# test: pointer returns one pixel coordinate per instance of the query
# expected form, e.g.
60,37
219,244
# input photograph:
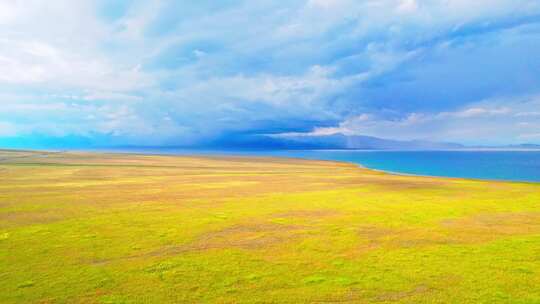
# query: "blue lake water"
491,165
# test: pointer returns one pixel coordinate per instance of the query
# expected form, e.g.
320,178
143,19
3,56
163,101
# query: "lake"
490,165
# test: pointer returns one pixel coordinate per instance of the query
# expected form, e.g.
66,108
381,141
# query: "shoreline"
233,154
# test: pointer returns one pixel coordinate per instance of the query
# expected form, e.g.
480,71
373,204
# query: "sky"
100,73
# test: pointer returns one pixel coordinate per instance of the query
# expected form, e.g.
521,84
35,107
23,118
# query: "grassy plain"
105,228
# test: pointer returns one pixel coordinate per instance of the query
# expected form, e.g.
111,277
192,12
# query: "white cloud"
73,72
407,6
8,11
300,91
108,96
529,136
37,63
326,4
59,45
477,112
489,121
7,129
528,114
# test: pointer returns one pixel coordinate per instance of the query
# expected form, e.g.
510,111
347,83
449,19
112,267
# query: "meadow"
117,228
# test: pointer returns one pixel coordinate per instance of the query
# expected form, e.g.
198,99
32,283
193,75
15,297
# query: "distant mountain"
335,141
340,141
525,146
510,147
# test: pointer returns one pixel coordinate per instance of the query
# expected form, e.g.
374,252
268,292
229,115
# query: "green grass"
105,228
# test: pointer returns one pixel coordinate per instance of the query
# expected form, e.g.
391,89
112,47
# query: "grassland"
105,228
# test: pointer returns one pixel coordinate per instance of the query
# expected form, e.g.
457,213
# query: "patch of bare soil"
374,237
396,183
485,227
251,236
468,230
307,214
393,296
245,236
28,218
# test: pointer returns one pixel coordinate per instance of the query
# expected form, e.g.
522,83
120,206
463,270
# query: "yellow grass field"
113,228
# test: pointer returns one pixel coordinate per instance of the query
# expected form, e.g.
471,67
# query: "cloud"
474,124
528,114
175,73
476,112
7,129
530,136
407,6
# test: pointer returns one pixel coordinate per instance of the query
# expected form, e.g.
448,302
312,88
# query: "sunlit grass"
105,228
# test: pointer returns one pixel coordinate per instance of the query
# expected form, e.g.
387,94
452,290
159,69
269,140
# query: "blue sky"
196,73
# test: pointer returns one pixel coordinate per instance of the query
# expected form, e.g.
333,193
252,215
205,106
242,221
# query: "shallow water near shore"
482,164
